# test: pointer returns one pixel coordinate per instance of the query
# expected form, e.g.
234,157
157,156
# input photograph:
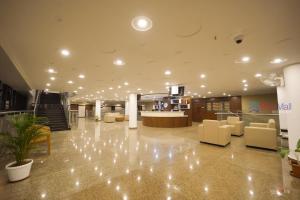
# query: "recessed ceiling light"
81,76
245,85
52,78
46,89
245,89
70,82
202,86
119,62
51,71
139,89
141,23
258,75
80,87
209,92
48,84
119,86
202,76
224,94
229,95
151,91
168,72
195,93
111,88
65,52
245,59
244,81
102,90
98,92
75,91
277,61
167,83
126,83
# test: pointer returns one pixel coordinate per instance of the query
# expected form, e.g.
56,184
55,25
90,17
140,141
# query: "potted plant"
18,143
294,163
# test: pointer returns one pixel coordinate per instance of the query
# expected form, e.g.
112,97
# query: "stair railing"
64,102
37,102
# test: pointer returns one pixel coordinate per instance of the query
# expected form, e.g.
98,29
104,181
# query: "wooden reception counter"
164,119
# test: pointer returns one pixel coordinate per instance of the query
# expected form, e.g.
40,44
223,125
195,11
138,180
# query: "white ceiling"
188,37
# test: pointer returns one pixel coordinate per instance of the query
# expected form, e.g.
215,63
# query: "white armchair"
237,126
269,124
212,131
262,135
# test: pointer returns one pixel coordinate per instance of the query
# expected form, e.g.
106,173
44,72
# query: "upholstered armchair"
44,137
262,135
237,126
214,132
269,124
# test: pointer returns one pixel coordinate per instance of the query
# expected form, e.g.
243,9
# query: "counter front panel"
164,119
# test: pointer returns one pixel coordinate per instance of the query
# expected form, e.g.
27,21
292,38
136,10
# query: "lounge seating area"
261,135
113,117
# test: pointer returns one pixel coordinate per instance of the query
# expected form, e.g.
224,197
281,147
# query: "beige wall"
266,103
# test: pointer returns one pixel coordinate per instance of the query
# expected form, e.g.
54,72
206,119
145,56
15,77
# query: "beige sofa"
262,135
110,117
237,126
214,132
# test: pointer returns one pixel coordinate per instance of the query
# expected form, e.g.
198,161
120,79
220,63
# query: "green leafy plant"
283,152
298,146
19,142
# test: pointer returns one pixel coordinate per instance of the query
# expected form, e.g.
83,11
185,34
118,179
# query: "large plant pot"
18,173
295,170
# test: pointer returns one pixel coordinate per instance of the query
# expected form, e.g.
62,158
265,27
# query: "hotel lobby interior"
149,100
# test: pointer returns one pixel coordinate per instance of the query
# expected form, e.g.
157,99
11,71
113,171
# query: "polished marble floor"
109,161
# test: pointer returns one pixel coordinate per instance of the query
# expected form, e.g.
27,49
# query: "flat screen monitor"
174,90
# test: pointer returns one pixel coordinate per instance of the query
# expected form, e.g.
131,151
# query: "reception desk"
164,119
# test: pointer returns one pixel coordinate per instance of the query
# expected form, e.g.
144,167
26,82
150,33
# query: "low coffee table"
120,118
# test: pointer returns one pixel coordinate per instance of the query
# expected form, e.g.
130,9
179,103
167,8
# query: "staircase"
50,107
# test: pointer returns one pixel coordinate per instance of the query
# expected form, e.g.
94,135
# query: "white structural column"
132,111
283,107
126,108
98,110
292,104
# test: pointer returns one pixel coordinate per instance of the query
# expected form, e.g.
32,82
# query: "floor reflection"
110,161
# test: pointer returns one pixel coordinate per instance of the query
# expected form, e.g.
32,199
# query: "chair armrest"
225,134
262,125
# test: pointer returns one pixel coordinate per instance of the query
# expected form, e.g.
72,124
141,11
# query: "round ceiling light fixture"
65,52
119,62
168,72
141,23
277,61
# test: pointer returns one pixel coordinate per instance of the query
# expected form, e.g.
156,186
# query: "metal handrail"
15,112
231,113
37,101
